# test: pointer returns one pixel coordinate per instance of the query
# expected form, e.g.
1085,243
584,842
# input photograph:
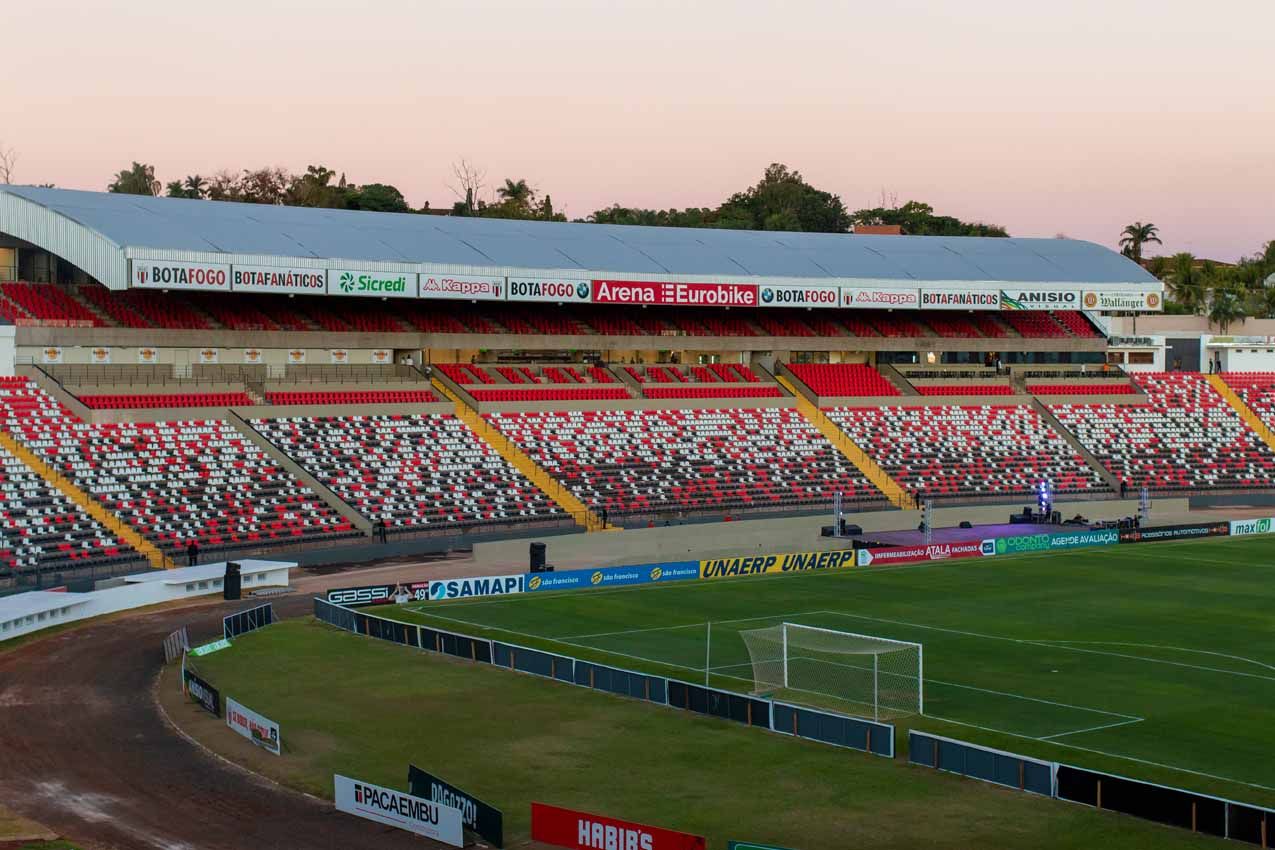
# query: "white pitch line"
1091,729
1158,646
700,624
1129,718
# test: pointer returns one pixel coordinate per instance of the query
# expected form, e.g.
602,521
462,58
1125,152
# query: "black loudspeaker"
232,584
850,529
966,524
827,531
537,557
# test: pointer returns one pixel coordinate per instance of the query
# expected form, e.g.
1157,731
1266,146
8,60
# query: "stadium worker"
192,553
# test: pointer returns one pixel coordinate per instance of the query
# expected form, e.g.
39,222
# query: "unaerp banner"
395,808
583,831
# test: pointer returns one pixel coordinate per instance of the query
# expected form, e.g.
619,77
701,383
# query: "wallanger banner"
759,564
583,831
395,808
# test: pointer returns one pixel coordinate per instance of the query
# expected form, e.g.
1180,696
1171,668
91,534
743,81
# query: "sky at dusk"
1073,118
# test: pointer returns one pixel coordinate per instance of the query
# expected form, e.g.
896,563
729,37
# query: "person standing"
192,553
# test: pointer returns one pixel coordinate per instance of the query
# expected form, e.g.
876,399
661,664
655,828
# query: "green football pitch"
1153,661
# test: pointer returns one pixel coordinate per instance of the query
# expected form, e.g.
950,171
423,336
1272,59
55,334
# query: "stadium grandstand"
253,379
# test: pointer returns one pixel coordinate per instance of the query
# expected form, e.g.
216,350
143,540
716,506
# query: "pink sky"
1074,118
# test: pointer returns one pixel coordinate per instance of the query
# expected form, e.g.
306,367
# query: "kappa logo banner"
467,287
679,294
1245,527
548,289
933,552
862,296
372,594
612,576
162,274
583,831
461,588
761,564
478,817
259,729
395,808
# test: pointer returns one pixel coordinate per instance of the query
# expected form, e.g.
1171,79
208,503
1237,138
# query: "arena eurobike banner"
396,808
583,831
675,293
752,565
612,576
258,728
882,556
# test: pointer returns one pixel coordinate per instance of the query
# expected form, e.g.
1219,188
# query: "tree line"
782,200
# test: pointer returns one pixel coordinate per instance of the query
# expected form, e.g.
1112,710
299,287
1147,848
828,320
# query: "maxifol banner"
752,565
612,576
478,817
885,555
395,808
1245,527
208,697
463,588
583,831
1056,540
1160,533
258,728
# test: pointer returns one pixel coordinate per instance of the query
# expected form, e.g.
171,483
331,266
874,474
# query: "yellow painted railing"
88,504
871,470
1246,413
520,461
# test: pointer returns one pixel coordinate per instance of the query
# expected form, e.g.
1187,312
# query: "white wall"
8,350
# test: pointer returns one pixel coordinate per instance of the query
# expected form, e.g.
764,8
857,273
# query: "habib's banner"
760,564
279,279
396,808
677,294
165,274
885,555
466,287
813,295
556,290
960,299
583,831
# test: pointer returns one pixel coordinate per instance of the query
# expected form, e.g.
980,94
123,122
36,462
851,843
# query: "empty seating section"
1082,389
465,373
352,397
1257,390
1035,325
971,450
1186,437
551,394
988,325
102,298
843,379
1076,322
40,529
952,325
667,461
964,389
49,304
160,400
418,473
713,391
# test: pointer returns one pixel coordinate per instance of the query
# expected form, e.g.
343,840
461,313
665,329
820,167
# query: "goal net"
882,678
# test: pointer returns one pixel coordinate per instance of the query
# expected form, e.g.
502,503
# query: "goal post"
880,677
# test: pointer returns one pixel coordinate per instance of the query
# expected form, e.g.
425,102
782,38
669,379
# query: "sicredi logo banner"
204,277
871,298
461,588
583,831
799,296
395,808
1244,527
679,294
1040,299
362,283
466,287
714,568
547,289
960,299
278,279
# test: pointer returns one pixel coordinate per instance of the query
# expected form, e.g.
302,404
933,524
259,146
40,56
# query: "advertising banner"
210,648
338,356
1245,527
1056,540
370,594
209,355
100,354
208,697
549,289
296,355
612,576
881,297
165,274
461,588
813,295
960,299
376,284
678,294
1151,301
932,552
478,817
51,354
1159,533
750,845
259,729
467,287
252,355
293,281
395,808
583,831
147,355
759,564
1040,299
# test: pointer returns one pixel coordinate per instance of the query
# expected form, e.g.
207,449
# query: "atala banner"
163,274
461,588
929,552
761,564
478,817
371,284
584,831
613,576
395,808
548,289
1159,533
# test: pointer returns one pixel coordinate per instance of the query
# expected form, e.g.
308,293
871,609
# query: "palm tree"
195,186
1186,282
1227,307
516,193
1133,237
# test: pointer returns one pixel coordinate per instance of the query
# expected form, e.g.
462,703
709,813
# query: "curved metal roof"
85,227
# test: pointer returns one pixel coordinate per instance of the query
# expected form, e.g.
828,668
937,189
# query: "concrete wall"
8,349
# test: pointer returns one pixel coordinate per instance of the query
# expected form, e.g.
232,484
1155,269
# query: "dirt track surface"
85,751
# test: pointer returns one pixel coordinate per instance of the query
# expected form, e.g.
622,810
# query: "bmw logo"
767,295
438,591
582,289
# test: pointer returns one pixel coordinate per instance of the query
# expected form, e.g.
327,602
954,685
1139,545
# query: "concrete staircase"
871,470
90,506
1251,419
1072,440
895,377
520,461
